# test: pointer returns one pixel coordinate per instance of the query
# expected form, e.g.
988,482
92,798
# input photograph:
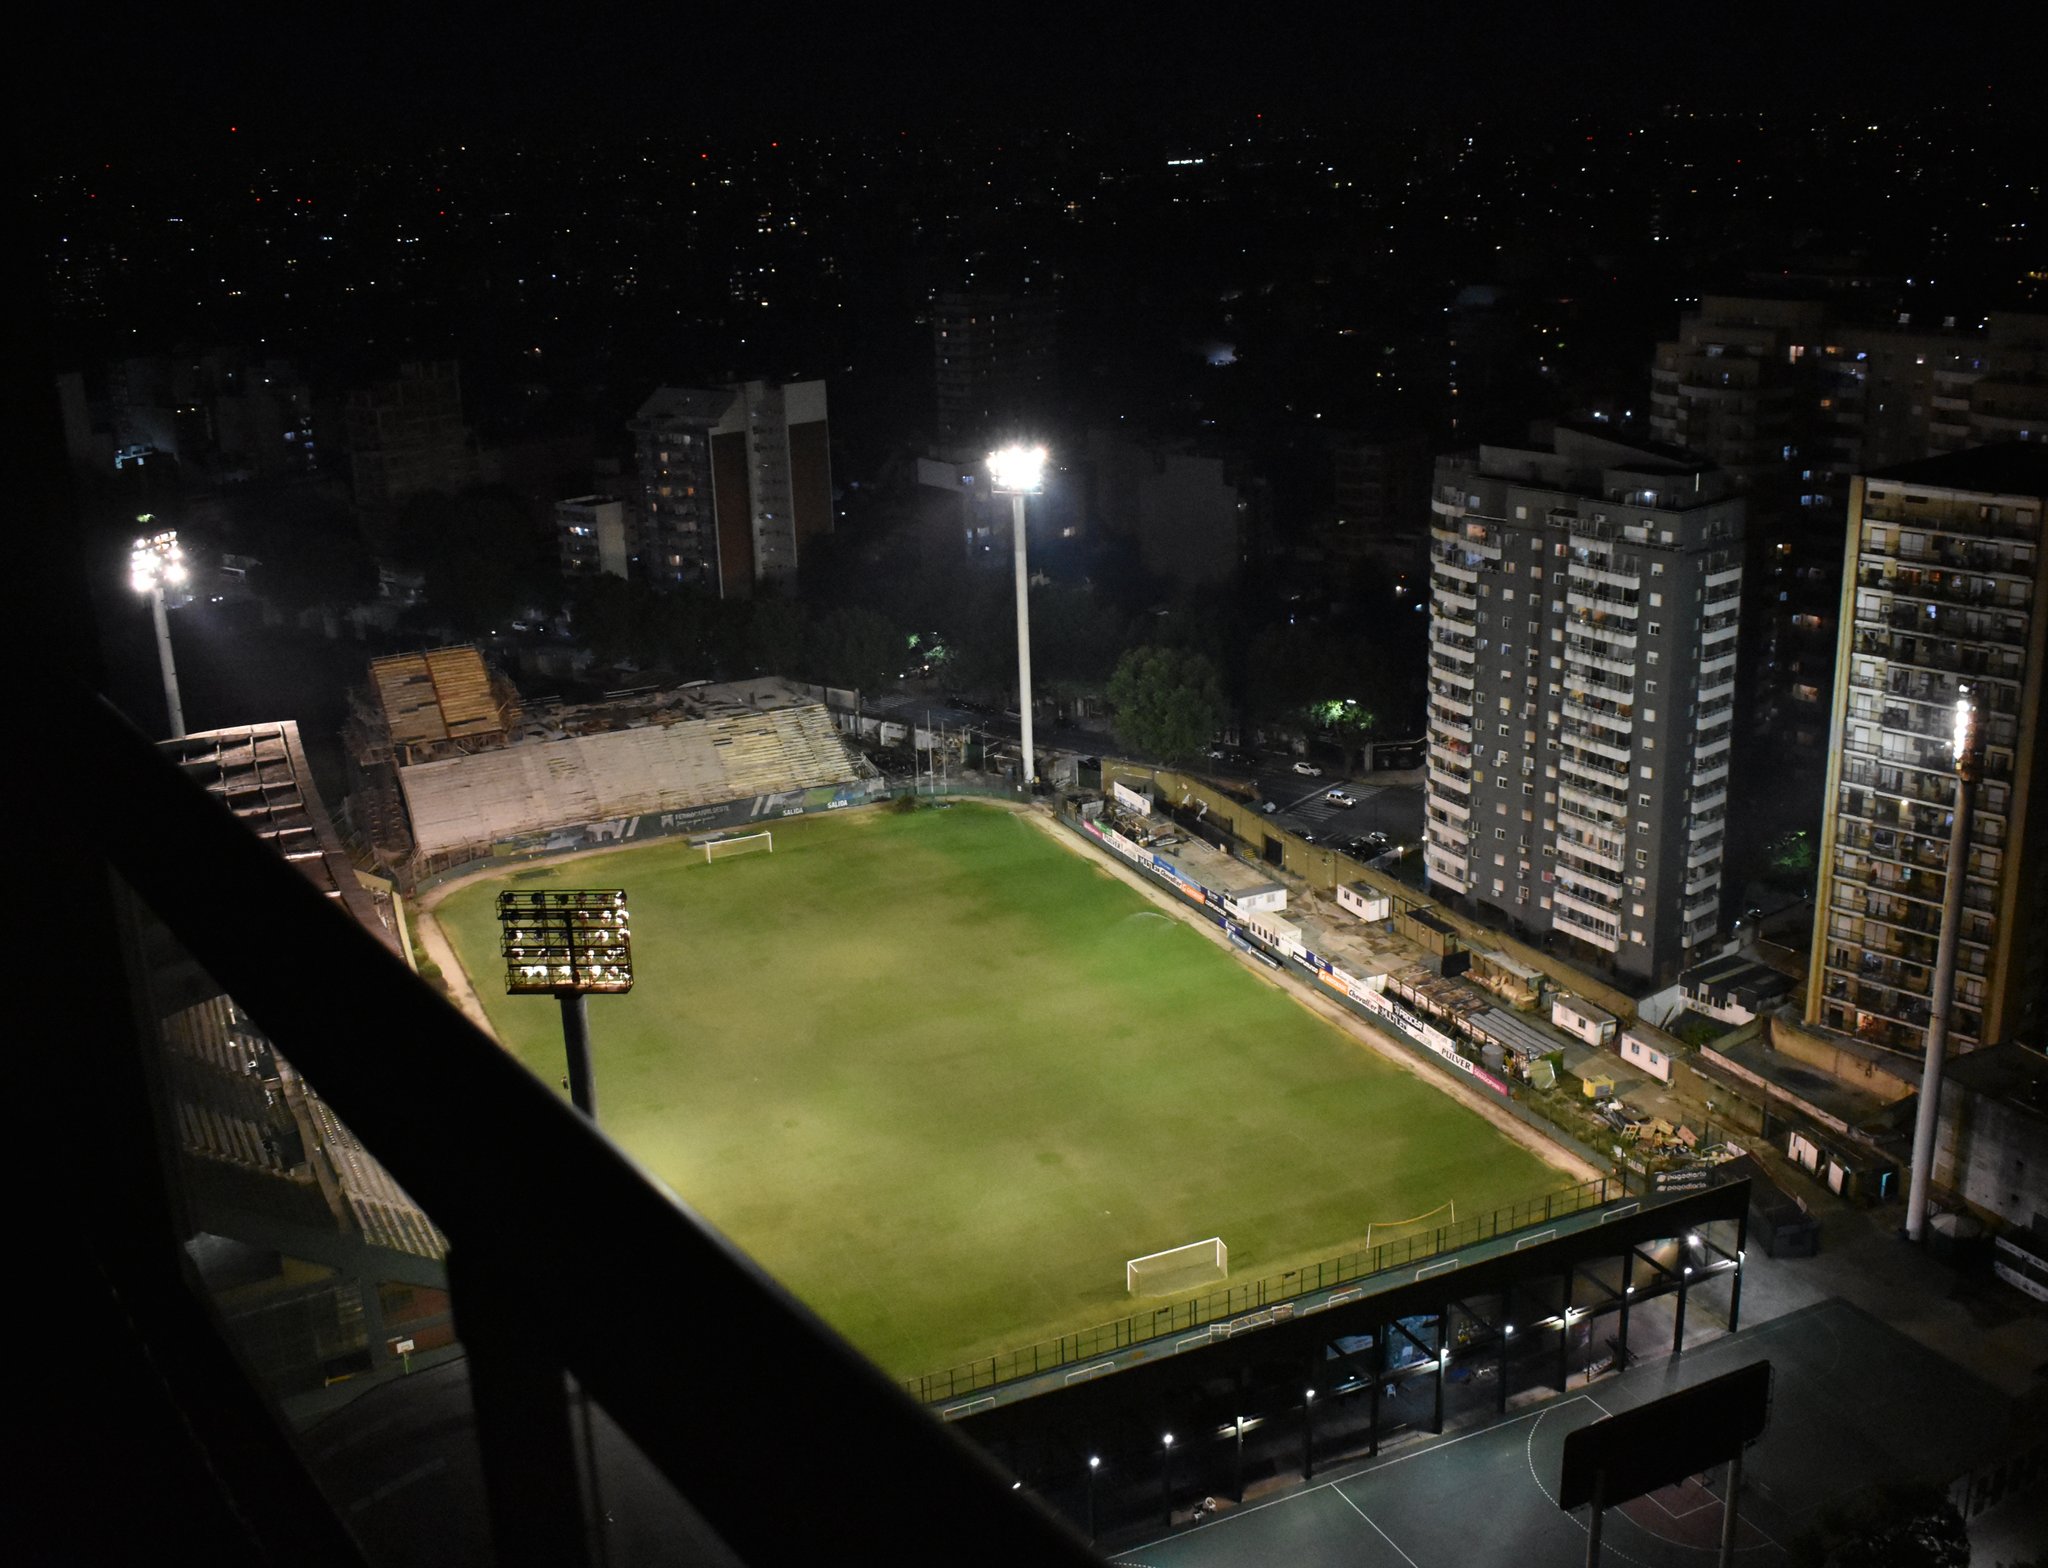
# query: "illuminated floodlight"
157,561
1018,470
1965,724
567,943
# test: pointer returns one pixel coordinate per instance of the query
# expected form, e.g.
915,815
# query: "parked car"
1268,807
1377,840
1343,798
1308,770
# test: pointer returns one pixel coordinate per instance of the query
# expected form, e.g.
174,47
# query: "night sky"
295,75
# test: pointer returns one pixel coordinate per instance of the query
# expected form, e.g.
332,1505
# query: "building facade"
591,533
1585,604
407,436
995,360
732,482
1942,577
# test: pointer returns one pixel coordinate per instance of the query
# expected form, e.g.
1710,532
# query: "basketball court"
1854,1402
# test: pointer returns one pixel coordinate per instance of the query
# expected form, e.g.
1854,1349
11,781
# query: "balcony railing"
564,1260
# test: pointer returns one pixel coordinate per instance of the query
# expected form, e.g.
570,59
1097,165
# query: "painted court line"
1380,1533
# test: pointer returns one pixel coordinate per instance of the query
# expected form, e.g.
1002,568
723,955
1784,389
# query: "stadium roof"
432,698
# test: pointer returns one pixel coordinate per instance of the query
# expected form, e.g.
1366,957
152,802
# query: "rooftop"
2010,468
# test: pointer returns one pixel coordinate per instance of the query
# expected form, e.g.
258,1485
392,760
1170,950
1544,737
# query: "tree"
857,648
307,545
1168,702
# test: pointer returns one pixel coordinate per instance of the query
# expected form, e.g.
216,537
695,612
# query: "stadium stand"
440,702
386,1216
671,765
241,1111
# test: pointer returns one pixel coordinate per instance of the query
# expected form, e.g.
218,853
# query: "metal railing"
564,1260
1218,1306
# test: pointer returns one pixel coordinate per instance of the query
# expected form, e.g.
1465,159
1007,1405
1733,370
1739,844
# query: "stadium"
1071,1144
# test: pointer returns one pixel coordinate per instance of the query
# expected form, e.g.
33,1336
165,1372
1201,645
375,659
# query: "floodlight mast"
1018,471
155,560
567,944
1967,744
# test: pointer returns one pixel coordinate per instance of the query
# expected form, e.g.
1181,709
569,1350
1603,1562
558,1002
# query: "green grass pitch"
942,1077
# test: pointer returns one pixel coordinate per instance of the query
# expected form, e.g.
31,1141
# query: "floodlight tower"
156,560
1018,471
1967,743
567,944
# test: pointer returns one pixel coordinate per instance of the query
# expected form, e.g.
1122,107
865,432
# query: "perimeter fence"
1276,1292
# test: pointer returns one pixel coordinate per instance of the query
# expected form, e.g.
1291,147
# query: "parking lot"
1303,805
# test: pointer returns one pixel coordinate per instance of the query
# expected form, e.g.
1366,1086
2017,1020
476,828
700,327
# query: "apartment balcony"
1705,880
1463,653
1451,569
1615,718
1458,840
1597,740
1705,778
1455,762
1446,869
1727,577
1585,923
1596,571
1457,807
1587,678
1619,634
1714,638
1447,672
1451,708
1602,807
1708,750
1718,665
1717,691
1595,774
1597,883
1450,601
1607,854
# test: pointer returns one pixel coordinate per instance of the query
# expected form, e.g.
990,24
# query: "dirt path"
1328,1008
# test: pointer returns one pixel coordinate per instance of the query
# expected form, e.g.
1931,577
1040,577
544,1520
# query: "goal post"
738,844
1178,1268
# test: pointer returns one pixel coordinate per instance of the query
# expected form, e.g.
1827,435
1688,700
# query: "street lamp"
566,945
155,561
1967,744
1094,1464
1018,471
1166,1489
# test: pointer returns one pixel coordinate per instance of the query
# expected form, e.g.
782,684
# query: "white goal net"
726,848
1178,1268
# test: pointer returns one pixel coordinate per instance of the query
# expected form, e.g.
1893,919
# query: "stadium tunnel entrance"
1413,1351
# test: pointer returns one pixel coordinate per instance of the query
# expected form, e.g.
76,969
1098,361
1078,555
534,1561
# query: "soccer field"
942,1076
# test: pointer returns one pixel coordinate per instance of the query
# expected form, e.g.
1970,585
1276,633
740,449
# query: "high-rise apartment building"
1584,612
994,362
1942,578
406,436
733,482
590,531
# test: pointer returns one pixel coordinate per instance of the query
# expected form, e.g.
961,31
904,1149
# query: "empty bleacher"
566,782
386,1216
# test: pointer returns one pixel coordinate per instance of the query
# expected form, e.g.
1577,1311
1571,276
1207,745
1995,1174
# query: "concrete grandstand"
315,1256
481,778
